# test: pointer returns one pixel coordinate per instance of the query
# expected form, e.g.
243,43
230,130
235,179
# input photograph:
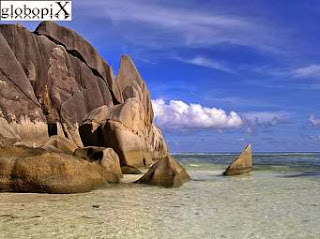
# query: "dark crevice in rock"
61,122
94,155
90,138
98,138
52,129
114,99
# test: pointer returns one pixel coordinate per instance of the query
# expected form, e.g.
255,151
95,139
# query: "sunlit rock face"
80,48
242,164
60,85
127,127
53,82
21,115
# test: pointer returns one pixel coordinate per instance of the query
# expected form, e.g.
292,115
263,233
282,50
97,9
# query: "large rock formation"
21,115
128,127
60,83
82,49
166,172
37,170
242,164
53,82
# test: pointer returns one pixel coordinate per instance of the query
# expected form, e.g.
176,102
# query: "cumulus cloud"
310,71
314,121
178,114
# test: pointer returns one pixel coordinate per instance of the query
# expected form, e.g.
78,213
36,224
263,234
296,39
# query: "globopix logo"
48,10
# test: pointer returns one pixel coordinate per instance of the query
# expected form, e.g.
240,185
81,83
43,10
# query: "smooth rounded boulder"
35,170
166,172
242,164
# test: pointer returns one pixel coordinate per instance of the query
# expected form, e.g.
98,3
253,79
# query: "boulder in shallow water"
104,156
166,172
39,171
242,164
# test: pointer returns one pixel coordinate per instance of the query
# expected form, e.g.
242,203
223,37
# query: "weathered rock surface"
242,164
36,170
62,86
104,156
166,172
130,170
82,49
21,116
59,94
128,127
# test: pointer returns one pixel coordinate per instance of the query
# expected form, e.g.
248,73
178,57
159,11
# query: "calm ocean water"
304,162
279,199
259,159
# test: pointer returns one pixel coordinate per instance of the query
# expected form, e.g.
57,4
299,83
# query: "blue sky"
221,73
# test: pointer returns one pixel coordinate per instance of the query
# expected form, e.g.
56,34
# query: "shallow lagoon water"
280,198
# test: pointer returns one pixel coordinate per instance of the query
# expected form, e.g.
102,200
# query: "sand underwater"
280,198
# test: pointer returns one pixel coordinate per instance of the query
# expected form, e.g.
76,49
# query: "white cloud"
205,62
310,71
314,121
178,114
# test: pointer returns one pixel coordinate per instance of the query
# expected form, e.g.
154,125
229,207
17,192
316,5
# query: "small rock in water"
96,206
242,164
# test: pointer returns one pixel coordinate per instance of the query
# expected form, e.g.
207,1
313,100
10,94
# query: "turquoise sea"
307,164
280,199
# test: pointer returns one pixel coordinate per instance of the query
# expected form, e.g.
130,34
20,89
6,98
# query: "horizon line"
256,152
